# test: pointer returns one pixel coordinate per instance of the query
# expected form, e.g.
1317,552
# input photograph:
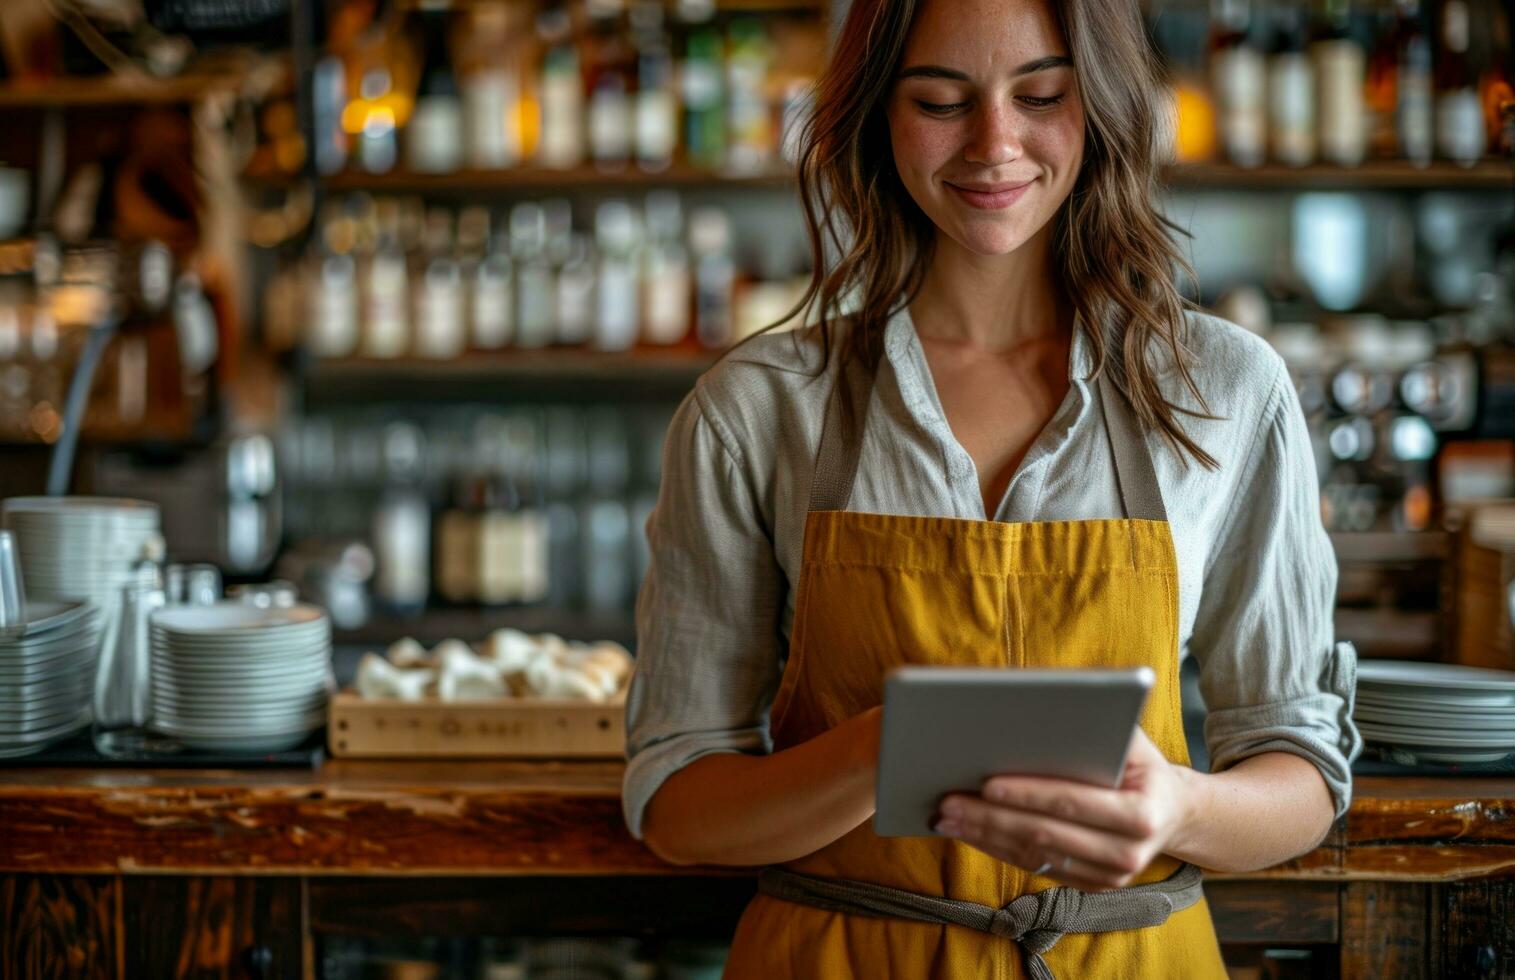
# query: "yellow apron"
878,591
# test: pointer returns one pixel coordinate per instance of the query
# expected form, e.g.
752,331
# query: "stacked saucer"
236,678
47,672
81,548
1425,712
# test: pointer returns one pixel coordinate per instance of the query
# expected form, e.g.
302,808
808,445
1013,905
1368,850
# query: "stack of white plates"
47,672
1437,712
81,548
237,678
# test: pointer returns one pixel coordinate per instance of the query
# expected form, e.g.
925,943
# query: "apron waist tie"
1034,921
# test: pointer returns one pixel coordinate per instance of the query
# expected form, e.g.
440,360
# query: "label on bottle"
610,124
488,97
439,312
1460,135
1341,72
1291,108
667,286
388,327
434,135
1240,79
575,304
657,127
493,305
333,304
1413,119
562,120
535,305
616,322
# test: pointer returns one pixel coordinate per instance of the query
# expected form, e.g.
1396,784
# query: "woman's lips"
994,199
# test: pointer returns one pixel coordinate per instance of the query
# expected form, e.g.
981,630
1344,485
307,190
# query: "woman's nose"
995,137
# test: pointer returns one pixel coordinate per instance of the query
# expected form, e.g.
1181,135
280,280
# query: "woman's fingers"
1093,806
1030,840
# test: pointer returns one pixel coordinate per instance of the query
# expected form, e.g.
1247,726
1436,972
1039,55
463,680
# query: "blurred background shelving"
454,264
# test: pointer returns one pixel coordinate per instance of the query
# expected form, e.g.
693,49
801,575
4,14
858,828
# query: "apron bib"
879,591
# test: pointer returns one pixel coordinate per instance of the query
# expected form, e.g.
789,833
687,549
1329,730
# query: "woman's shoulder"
1239,375
770,384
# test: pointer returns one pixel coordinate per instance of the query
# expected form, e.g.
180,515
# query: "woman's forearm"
1260,812
735,809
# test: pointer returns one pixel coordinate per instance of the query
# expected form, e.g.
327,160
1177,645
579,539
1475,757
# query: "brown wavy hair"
1117,255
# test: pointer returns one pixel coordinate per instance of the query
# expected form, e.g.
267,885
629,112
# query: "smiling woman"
1006,443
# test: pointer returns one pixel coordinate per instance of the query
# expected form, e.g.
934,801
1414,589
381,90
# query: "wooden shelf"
114,90
1373,175
1386,175
1391,547
482,374
516,179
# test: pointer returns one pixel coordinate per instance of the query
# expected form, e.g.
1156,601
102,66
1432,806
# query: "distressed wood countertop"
564,818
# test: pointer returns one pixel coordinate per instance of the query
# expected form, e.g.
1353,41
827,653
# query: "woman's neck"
991,302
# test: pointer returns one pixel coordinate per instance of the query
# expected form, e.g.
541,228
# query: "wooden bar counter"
136,873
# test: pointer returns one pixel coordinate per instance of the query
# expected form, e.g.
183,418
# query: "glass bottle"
666,282
1239,78
714,276
1414,94
1341,76
560,91
610,82
536,285
1291,91
434,134
750,129
576,291
386,289
440,325
617,305
704,100
492,294
1460,132
656,122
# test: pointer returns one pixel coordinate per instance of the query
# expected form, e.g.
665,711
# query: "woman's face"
985,120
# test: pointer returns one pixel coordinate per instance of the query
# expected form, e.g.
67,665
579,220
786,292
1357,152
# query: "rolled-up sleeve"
1272,675
707,613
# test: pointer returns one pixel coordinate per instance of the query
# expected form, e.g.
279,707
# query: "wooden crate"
503,728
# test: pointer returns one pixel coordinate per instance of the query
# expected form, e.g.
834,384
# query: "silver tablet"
948,729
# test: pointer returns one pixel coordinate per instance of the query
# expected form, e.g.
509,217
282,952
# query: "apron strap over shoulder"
1034,921
1140,492
841,436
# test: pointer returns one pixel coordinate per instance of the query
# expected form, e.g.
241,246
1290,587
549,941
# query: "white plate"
1417,675
278,649
77,505
222,674
1402,698
43,617
1400,736
302,701
253,746
1434,718
230,729
241,724
233,617
1413,754
12,747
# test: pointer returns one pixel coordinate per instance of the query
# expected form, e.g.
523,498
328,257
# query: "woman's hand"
1093,838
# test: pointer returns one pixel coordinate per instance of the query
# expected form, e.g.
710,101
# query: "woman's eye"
1036,102
940,108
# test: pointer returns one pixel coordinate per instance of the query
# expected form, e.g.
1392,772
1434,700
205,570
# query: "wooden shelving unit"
532,179
115,90
489,375
1490,174
1385,175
